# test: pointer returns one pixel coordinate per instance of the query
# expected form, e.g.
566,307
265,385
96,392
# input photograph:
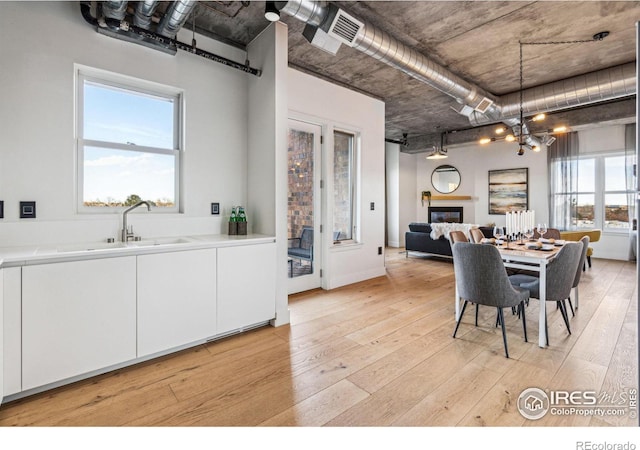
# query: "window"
129,143
616,213
599,196
344,186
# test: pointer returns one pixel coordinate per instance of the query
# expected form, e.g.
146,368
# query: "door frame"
314,280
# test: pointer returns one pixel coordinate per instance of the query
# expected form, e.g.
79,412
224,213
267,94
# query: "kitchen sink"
101,246
97,246
159,241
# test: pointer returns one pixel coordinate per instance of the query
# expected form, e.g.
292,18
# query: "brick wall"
300,181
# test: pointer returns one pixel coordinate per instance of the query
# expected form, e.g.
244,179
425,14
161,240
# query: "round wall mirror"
445,179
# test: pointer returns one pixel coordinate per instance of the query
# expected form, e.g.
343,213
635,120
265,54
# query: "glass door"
304,252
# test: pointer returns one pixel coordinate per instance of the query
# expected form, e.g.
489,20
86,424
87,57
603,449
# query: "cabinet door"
176,299
246,286
77,317
12,347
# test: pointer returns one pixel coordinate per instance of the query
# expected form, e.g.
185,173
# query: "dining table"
517,255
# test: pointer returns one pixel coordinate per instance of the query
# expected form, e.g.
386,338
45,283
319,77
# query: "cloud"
118,160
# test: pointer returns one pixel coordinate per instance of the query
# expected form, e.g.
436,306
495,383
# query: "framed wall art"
508,190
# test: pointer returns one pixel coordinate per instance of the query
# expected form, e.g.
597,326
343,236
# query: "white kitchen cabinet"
77,317
246,286
176,299
1,336
12,330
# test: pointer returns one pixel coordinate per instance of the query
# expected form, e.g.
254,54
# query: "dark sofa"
418,239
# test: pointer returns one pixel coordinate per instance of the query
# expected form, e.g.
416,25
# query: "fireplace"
442,214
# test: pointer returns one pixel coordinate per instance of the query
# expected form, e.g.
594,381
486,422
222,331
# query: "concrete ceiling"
477,40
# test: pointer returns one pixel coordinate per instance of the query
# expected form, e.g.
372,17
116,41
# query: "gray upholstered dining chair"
481,279
560,275
576,280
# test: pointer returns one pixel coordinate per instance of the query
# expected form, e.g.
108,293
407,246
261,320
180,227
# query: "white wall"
267,153
392,169
41,42
474,162
408,190
333,106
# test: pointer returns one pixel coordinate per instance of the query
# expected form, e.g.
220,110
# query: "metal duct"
309,12
114,9
144,13
137,35
606,84
480,106
175,17
381,46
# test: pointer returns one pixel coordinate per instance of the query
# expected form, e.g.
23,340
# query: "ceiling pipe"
582,90
175,17
144,13
114,9
312,13
138,35
480,106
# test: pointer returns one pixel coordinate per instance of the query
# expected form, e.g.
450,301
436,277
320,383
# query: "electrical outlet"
27,210
215,208
372,206
379,250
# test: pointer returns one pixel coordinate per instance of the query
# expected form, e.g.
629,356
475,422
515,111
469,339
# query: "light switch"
1,209
27,210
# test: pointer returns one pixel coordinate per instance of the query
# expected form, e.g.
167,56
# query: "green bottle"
234,217
241,215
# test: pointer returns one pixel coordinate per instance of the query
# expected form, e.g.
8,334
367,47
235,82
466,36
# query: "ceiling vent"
319,38
345,28
484,104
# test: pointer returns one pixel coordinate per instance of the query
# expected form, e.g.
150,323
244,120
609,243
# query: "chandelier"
521,133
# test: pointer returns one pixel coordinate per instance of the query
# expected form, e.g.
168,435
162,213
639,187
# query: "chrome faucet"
126,234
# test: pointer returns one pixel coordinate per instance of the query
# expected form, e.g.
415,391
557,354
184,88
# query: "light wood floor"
375,353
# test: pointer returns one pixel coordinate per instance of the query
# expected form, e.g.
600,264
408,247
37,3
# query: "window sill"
346,247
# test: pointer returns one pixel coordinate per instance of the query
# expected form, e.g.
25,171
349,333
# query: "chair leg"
565,316
464,306
477,306
546,327
504,331
573,313
524,320
589,261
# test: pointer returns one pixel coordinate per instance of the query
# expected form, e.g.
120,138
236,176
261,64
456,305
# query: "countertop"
51,253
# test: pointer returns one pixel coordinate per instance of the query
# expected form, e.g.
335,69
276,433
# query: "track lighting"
439,152
271,13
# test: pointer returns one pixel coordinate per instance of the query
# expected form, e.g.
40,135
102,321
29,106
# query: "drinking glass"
528,233
542,229
498,233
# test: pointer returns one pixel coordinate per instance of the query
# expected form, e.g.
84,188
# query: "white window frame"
355,184
602,193
86,74
599,194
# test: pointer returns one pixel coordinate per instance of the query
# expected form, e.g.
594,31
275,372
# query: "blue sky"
115,115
